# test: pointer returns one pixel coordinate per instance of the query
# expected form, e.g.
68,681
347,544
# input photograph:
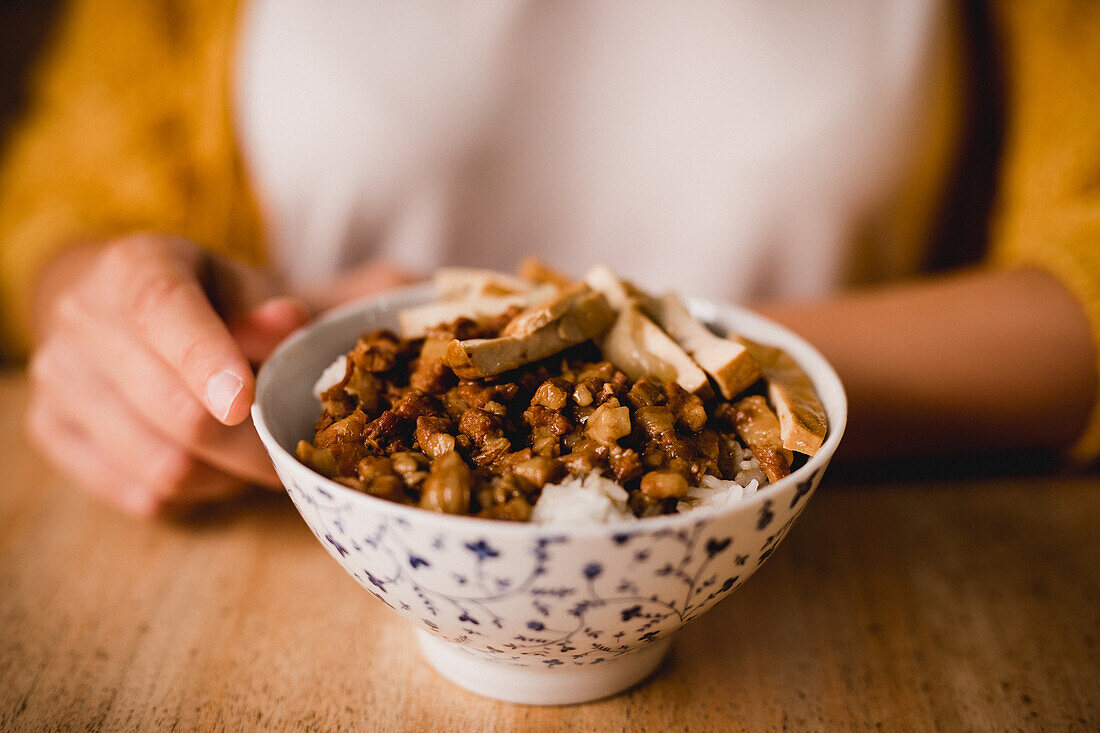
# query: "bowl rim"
820,371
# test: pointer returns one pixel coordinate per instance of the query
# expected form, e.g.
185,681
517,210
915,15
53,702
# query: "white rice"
716,492
594,499
713,491
332,375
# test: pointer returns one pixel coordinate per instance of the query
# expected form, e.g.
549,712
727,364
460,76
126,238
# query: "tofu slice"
759,427
638,346
802,419
727,362
537,272
604,279
455,283
415,322
585,314
541,314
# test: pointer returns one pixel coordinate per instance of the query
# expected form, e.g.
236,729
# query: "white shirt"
724,149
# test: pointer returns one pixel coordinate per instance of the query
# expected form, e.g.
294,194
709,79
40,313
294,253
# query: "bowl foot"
532,686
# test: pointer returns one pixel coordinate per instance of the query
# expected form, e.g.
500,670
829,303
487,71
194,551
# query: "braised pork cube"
448,486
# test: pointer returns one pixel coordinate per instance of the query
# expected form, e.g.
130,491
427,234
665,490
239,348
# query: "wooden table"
961,604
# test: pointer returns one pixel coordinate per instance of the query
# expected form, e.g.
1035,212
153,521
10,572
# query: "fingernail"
221,392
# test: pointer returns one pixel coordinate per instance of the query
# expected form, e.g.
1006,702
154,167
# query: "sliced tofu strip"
453,283
587,316
618,292
540,314
640,348
727,362
802,417
415,322
536,271
759,428
636,344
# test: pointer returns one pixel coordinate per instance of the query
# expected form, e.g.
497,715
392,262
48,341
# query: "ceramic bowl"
523,612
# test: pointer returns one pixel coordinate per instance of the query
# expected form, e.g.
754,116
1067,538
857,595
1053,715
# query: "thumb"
261,329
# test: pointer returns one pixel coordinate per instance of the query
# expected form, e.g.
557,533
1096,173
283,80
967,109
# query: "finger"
158,290
135,387
91,405
144,461
72,453
262,329
144,487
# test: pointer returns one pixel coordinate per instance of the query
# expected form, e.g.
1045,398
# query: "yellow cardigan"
131,129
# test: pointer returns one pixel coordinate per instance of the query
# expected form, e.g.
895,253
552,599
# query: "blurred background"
25,27
958,235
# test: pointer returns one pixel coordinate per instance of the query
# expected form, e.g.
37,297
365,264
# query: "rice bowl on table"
579,595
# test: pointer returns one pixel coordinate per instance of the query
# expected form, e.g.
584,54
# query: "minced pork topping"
475,416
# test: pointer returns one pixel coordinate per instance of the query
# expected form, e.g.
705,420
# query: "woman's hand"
141,389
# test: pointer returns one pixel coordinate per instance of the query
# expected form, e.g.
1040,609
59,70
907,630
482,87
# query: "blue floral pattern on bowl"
548,598
509,609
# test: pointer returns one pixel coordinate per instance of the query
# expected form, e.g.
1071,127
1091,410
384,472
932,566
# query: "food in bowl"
538,398
522,611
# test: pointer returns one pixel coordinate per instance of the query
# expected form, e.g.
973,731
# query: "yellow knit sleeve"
129,128
1049,204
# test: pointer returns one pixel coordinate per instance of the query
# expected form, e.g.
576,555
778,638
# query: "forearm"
980,360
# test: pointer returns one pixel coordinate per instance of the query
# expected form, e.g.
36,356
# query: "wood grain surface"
951,605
